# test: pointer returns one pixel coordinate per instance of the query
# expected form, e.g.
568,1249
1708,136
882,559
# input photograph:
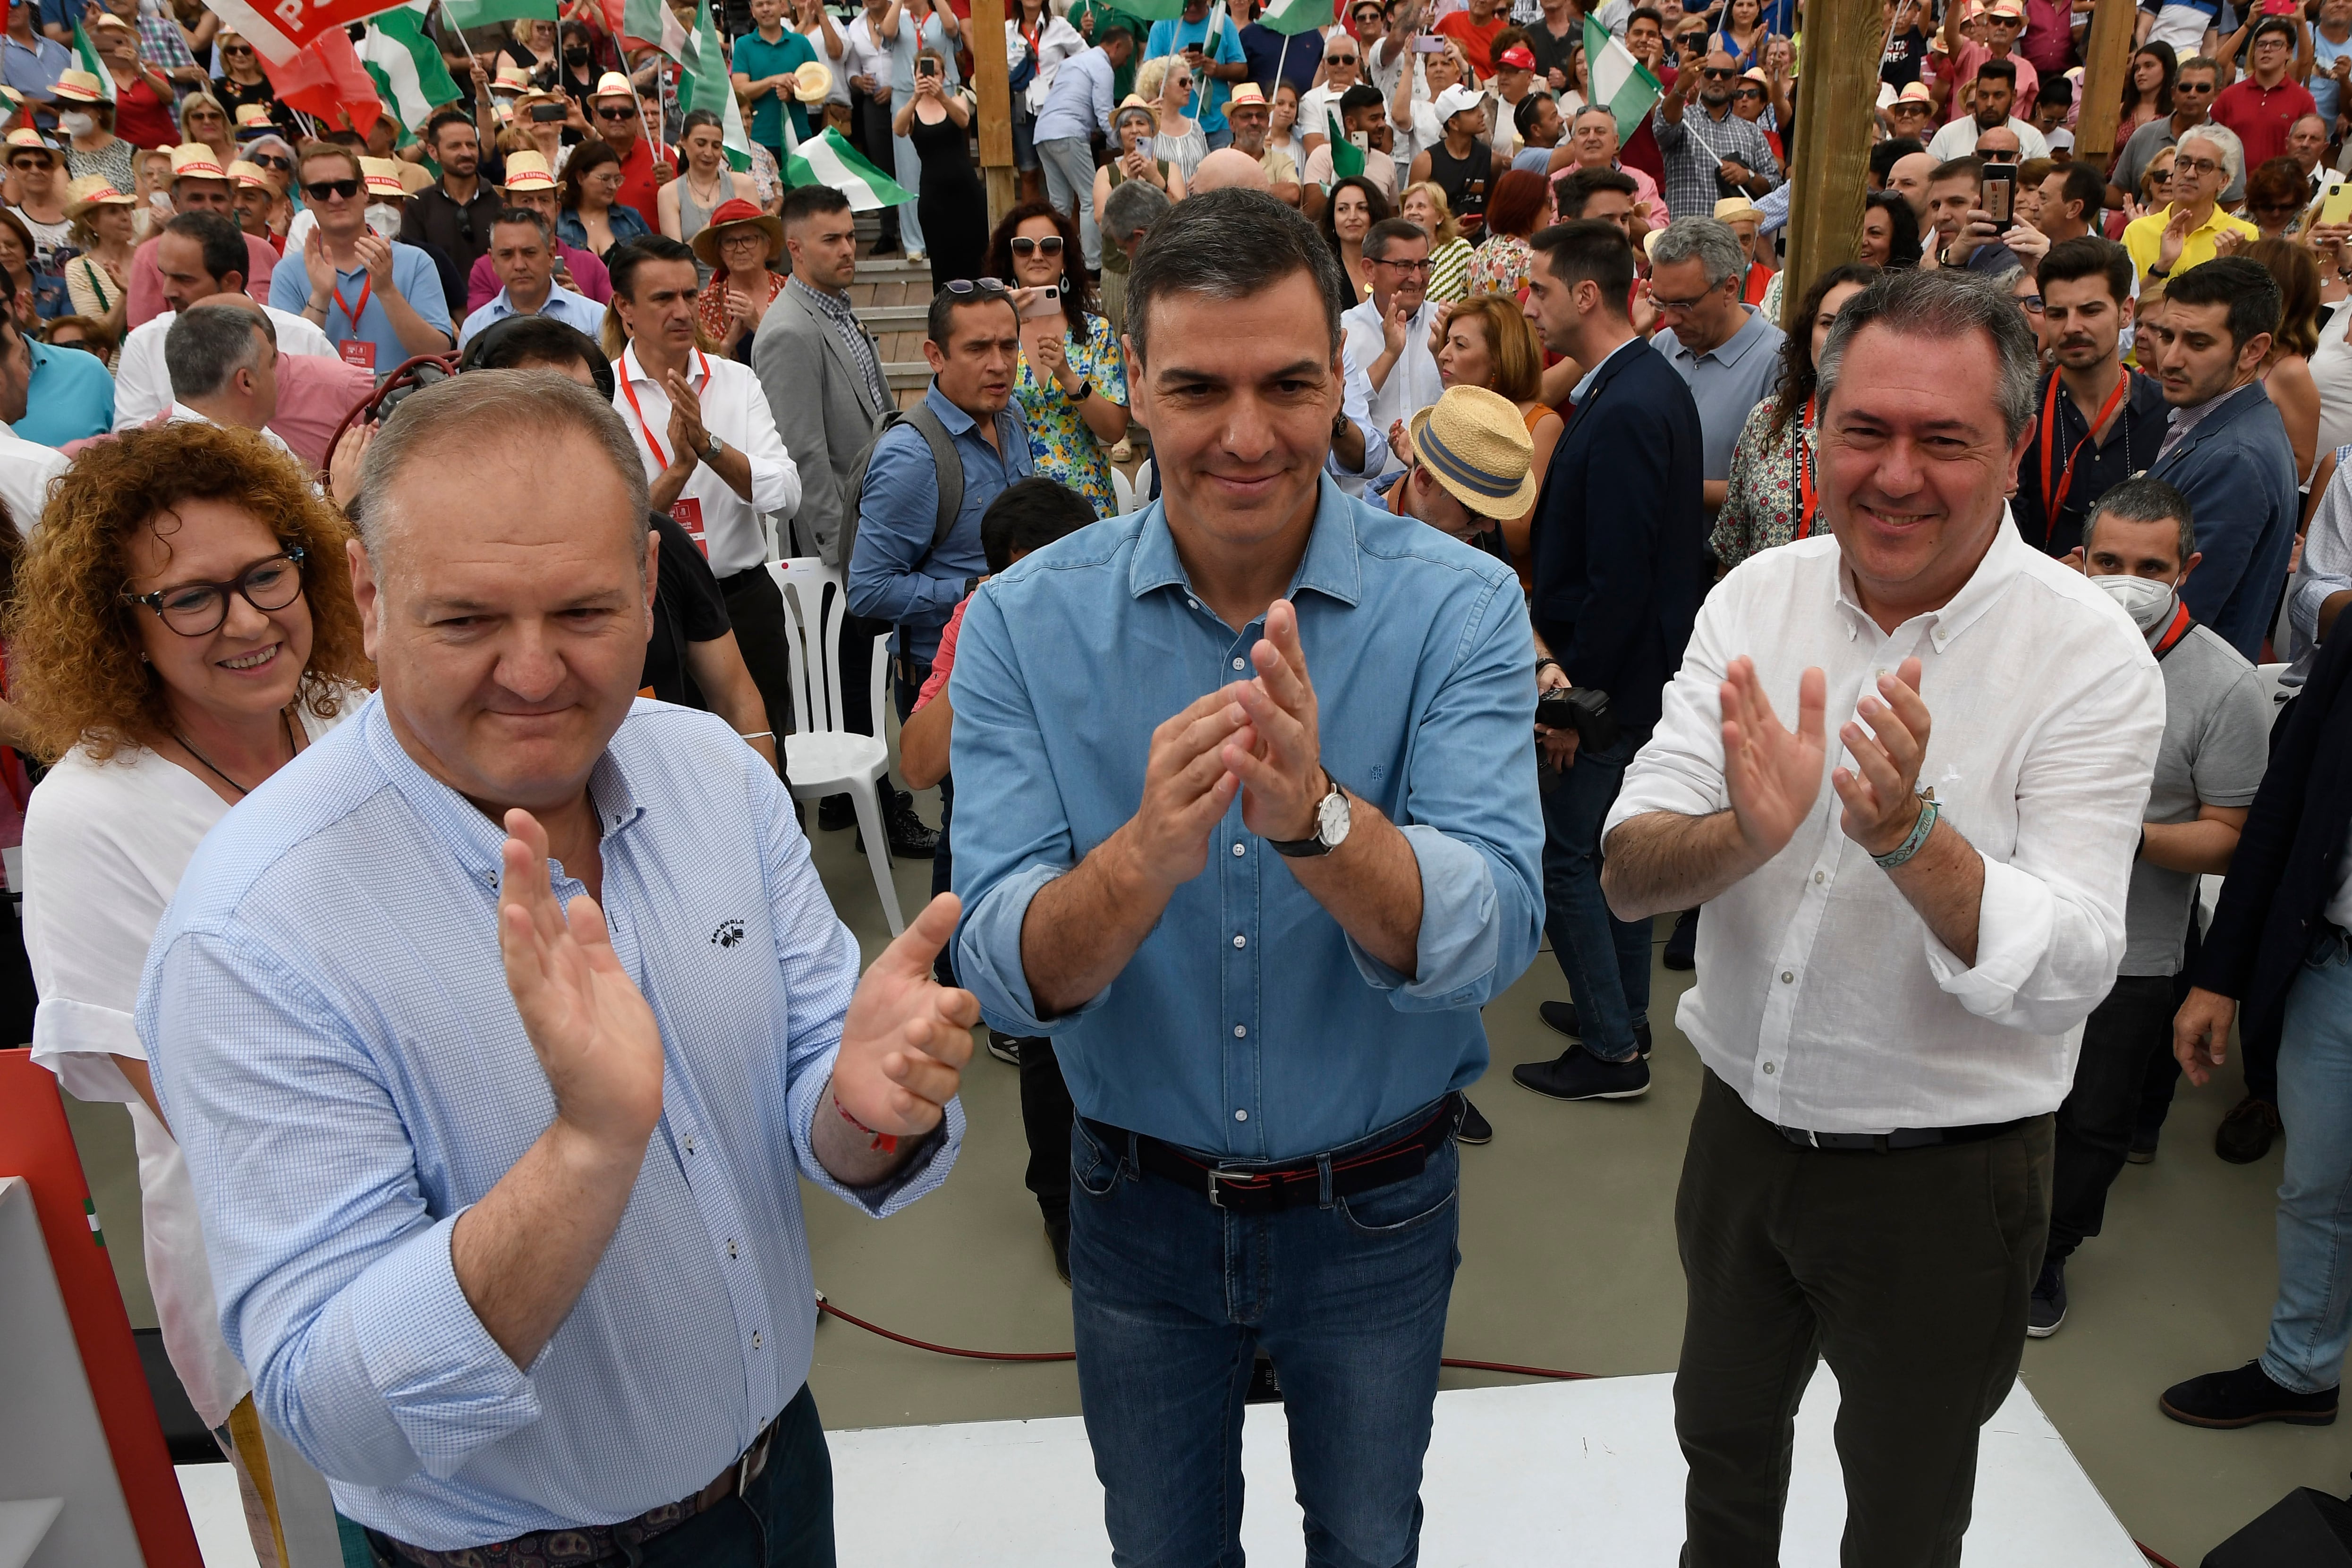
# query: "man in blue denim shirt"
1261,977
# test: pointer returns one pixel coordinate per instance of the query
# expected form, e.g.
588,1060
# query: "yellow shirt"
2144,236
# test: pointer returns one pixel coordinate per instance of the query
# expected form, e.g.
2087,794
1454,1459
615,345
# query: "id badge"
358,351
686,513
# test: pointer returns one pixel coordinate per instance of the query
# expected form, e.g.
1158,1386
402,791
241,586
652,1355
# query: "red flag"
278,28
327,82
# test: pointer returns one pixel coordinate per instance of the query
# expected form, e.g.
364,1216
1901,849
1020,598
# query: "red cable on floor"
829,1309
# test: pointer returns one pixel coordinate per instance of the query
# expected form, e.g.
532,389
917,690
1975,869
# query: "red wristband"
883,1143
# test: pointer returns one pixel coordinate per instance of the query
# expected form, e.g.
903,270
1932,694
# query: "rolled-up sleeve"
775,478
2050,922
2326,566
335,1284
1471,818
1356,403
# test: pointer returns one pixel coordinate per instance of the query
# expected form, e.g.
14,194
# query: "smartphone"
2338,207
546,114
1426,45
1043,302
2282,7
2000,194
926,68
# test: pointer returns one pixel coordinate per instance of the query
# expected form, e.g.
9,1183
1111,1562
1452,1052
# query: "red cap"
1517,58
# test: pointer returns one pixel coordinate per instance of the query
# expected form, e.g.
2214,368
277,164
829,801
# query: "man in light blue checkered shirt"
514,1252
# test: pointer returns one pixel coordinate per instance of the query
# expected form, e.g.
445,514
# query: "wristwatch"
1330,826
710,453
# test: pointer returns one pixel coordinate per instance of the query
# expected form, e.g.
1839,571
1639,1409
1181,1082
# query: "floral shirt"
1061,447
710,309
1502,266
1765,493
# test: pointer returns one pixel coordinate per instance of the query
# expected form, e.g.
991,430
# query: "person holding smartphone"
1215,60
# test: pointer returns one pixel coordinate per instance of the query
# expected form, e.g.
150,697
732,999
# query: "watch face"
1331,819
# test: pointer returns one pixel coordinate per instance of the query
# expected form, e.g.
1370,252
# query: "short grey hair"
2223,140
208,344
450,416
1132,208
1712,242
2146,501
1946,306
1229,245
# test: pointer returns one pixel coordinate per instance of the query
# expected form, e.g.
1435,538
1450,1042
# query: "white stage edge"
1582,1472
1567,1472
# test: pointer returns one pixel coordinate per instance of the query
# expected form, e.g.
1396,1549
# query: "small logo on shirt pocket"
729,931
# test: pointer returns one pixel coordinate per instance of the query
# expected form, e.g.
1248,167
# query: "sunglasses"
321,190
961,285
616,114
270,160
1754,92
237,48
1024,246
1718,73
1339,60
1995,157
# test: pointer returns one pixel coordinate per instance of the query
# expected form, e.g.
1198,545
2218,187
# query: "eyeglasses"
1339,60
1682,307
195,115
2031,304
197,609
1755,92
237,48
982,286
2191,86
270,160
1997,155
1024,246
321,190
616,114
1422,266
2196,166
1718,73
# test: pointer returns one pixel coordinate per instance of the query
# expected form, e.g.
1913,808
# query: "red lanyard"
2053,499
661,458
1805,473
2175,631
353,313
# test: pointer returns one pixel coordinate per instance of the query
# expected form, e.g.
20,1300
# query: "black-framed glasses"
984,286
1422,266
2032,304
2195,166
321,190
1023,244
197,609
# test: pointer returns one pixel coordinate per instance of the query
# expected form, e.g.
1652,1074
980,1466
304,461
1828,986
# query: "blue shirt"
34,71
412,273
627,223
1269,52
1727,382
1248,1024
1081,101
70,396
571,309
331,1036
894,573
1174,37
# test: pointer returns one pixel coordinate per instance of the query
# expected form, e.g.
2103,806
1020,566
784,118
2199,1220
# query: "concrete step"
907,373
892,269
894,318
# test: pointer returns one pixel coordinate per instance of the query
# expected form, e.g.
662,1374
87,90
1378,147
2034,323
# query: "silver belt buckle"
1215,1176
754,1461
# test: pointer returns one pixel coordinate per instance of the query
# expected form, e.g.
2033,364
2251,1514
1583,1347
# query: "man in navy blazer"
2226,449
1620,540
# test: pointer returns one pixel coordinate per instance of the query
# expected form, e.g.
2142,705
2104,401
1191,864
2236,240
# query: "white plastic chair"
1123,488
1143,484
826,758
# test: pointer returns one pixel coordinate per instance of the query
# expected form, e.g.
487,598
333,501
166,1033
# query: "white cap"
1453,101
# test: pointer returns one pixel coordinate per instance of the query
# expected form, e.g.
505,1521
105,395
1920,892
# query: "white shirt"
1317,109
1055,43
25,469
1412,381
143,384
105,844
837,63
736,411
868,56
181,414
1959,139
2048,710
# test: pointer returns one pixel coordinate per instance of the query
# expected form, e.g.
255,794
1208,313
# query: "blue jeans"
1605,960
1171,1299
1069,163
2312,1319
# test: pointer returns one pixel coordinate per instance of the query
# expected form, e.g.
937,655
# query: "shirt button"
1788,976
1194,603
1241,1116
730,1247
756,1341
1819,878
689,1144
1241,1031
1240,941
1768,1069
1239,664
1238,852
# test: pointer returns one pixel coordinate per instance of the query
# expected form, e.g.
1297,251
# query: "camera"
1584,709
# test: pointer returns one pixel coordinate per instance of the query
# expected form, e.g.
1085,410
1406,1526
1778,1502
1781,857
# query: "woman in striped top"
1449,253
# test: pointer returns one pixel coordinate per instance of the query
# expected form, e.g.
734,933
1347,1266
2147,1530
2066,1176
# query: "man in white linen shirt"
1894,969
1386,339
709,441
198,256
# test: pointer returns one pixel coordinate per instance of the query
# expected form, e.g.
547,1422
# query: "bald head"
1228,166
1910,175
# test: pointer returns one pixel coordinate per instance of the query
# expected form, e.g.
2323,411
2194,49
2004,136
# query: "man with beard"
455,216
1713,154
2097,423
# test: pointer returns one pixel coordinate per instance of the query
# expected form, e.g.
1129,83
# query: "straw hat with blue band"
1475,443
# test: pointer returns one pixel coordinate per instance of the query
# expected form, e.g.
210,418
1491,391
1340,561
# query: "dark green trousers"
1907,1272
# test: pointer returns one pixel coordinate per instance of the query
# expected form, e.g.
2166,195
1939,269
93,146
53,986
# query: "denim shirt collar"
1330,566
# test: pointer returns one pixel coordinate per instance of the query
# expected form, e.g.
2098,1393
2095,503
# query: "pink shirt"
147,300
942,661
1962,70
589,278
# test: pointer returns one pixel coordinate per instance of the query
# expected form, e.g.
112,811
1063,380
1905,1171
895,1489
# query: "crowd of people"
1637,577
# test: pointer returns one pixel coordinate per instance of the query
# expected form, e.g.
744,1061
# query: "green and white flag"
827,159
1621,83
1347,158
704,83
657,24
407,66
1292,17
87,59
489,13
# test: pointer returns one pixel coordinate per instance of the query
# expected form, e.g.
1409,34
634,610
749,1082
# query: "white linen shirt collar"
735,410
1824,999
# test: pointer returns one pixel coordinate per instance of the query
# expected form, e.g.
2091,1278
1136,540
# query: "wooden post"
985,33
2107,55
1836,99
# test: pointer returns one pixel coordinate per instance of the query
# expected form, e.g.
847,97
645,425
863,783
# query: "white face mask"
2148,601
76,123
384,218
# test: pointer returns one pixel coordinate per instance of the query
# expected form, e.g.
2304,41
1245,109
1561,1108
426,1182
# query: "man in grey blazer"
823,375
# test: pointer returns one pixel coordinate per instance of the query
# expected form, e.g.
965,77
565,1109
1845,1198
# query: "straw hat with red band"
736,213
252,120
94,191
383,178
510,77
527,171
195,161
250,176
25,139
612,84
79,87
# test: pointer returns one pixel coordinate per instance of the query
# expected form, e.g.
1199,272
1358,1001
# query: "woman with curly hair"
183,628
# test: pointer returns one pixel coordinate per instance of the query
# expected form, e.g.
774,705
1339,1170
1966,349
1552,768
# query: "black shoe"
1578,1074
1004,1047
1057,1237
910,837
2046,1308
2245,1398
2142,1150
1473,1128
1682,943
1561,1016
2245,1134
836,812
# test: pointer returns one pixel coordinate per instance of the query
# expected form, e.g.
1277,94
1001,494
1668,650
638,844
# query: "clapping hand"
2176,236
1881,790
685,413
375,255
1278,754
1772,776
317,263
906,1038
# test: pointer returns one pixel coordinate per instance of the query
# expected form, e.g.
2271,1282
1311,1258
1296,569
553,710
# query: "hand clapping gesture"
906,1038
1772,775
1277,755
1881,790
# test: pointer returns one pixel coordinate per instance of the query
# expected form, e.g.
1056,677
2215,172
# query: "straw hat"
612,84
10,95
79,87
25,139
811,82
1133,104
511,76
94,191
250,175
1918,93
195,161
735,212
1738,210
1247,94
1475,442
527,171
252,120
382,177
108,19
1755,74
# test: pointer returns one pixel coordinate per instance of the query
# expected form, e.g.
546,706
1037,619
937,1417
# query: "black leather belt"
1901,1138
1243,1189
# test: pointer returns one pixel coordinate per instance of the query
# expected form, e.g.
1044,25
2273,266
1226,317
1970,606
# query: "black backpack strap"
946,463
